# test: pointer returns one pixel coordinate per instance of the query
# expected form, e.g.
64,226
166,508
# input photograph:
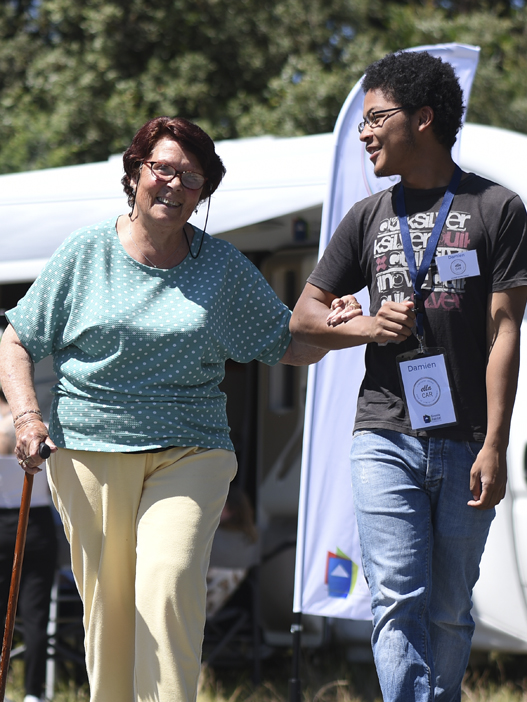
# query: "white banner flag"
328,578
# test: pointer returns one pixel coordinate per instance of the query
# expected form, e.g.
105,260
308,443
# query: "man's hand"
393,322
488,479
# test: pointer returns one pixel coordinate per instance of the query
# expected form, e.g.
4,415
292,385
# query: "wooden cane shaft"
15,581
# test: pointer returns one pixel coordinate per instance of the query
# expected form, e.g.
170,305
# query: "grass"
326,677
66,691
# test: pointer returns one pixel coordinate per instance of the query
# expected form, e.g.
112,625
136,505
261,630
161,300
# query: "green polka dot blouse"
139,351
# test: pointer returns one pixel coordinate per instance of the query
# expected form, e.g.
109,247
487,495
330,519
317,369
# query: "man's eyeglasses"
163,171
378,118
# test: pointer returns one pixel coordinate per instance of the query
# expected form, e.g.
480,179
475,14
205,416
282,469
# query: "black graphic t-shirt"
366,250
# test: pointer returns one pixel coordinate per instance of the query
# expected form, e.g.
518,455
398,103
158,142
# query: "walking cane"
44,452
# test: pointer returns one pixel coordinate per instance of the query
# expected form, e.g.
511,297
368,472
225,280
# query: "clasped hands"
393,322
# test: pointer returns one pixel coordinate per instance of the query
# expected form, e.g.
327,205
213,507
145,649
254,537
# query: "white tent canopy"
267,178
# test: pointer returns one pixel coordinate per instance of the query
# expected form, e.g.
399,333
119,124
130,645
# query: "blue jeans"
421,548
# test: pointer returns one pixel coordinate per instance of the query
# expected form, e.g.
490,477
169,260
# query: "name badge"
426,387
459,265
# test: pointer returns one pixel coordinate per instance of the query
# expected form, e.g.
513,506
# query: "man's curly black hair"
416,79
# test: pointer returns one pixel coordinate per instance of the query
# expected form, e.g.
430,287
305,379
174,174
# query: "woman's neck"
164,249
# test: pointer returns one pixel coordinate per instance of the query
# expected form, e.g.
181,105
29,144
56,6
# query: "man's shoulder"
375,205
373,201
486,189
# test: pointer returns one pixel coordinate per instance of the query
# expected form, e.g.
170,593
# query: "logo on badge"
426,391
458,267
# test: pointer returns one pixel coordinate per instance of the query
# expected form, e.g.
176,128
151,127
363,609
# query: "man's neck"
431,171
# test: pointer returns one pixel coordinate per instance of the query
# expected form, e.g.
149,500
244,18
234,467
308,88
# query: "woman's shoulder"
223,252
88,239
93,233
215,244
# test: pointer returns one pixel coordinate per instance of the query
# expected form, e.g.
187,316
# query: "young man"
444,256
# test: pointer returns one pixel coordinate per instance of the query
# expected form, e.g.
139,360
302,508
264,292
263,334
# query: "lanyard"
418,276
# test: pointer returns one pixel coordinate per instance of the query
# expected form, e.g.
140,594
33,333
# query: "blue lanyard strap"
418,276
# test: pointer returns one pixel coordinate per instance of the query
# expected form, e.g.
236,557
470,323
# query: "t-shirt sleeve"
339,271
258,322
509,262
40,317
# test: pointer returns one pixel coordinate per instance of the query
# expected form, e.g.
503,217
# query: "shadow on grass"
326,677
496,677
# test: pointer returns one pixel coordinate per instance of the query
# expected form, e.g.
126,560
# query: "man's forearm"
502,380
313,329
505,313
488,476
393,322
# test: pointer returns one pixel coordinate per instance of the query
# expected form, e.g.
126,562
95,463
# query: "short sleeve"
258,322
41,315
509,261
339,270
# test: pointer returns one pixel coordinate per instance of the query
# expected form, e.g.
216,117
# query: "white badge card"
426,388
463,264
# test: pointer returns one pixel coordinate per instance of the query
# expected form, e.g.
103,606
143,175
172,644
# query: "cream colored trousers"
140,528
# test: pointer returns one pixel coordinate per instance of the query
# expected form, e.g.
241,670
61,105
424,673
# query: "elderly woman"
140,315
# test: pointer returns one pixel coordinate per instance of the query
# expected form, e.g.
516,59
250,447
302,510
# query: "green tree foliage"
77,77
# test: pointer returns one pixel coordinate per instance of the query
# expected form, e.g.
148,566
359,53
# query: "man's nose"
366,132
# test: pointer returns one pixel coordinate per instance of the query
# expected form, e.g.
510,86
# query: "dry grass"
67,690
326,677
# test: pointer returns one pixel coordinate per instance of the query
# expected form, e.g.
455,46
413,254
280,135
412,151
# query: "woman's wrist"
29,411
27,420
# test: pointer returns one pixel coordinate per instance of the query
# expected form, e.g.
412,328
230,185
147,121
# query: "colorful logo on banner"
341,574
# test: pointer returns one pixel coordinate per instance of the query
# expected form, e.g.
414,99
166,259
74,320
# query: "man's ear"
425,117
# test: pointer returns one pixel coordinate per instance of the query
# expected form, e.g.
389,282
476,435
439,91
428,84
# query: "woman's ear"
134,179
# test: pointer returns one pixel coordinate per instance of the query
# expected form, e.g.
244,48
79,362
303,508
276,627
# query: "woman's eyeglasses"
163,171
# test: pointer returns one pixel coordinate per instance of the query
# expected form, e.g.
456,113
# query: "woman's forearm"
16,374
299,354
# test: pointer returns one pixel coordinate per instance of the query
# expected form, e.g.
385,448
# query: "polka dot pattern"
139,351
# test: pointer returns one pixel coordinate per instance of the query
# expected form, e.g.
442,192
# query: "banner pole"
295,683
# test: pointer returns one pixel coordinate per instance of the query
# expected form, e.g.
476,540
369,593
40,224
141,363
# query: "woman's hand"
30,433
343,309
16,376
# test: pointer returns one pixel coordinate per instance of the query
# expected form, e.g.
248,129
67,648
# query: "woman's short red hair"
188,135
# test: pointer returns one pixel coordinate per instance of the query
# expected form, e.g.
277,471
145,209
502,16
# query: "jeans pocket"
474,447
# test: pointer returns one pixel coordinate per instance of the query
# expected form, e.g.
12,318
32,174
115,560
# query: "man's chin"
383,172
378,170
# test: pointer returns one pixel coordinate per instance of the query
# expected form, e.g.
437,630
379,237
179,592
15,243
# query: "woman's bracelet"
31,411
